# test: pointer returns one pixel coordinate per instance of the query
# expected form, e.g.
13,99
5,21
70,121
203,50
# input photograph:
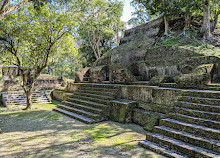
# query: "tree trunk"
166,23
187,24
48,69
206,29
29,100
215,22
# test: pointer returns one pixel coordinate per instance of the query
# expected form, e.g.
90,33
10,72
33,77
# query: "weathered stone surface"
104,60
119,74
80,76
61,95
10,85
98,74
146,119
161,79
121,110
205,68
72,87
147,28
193,80
139,93
165,96
62,81
150,107
201,76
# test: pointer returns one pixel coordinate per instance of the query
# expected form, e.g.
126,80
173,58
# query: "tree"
67,60
100,24
206,27
164,8
30,38
186,9
7,6
140,15
216,12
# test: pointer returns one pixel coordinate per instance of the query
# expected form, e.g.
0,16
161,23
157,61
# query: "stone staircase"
89,104
192,129
15,98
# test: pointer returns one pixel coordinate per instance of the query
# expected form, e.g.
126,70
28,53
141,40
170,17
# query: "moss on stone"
146,119
157,80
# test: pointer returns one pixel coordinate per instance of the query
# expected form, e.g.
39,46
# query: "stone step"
89,103
106,93
94,95
194,120
22,95
83,107
198,106
161,150
174,144
79,112
198,113
75,116
101,101
209,101
95,85
191,128
107,89
158,108
203,93
202,142
24,104
22,99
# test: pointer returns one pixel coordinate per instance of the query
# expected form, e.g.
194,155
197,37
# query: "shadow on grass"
108,139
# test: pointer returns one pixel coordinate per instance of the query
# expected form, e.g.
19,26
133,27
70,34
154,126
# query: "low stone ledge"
121,110
146,119
61,95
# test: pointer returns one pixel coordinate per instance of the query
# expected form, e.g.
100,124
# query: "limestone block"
72,87
119,74
193,80
121,110
201,76
61,95
146,119
98,73
81,75
161,79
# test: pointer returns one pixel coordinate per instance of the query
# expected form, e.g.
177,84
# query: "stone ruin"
137,59
179,122
11,79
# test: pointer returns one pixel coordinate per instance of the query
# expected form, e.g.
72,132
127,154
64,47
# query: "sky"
127,10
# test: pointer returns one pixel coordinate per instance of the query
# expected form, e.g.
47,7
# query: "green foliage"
32,34
140,15
99,26
67,60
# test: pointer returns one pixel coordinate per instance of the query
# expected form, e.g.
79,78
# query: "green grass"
190,42
25,133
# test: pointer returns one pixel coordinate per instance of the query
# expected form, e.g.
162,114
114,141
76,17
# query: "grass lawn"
42,132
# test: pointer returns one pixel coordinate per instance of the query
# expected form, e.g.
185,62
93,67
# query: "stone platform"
179,122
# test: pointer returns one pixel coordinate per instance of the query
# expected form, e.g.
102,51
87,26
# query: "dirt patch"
44,133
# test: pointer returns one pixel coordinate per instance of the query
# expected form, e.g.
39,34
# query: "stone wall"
61,95
142,93
140,54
